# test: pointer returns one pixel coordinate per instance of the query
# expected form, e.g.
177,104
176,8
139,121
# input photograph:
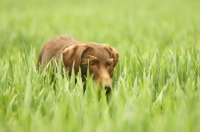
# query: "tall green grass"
156,85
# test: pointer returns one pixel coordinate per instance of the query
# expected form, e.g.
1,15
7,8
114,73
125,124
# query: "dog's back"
53,48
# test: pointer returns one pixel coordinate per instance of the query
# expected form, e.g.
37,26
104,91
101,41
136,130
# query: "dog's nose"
108,89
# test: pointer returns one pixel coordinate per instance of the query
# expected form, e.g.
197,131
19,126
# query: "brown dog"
100,58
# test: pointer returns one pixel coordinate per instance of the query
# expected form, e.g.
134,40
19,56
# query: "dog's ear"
72,56
113,53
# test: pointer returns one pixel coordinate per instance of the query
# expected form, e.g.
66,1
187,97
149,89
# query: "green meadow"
156,85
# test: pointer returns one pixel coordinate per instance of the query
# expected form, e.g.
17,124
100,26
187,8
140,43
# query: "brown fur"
100,58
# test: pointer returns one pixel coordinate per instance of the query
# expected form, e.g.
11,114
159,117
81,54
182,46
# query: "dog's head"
100,59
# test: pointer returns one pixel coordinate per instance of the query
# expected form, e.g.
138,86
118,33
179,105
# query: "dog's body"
100,58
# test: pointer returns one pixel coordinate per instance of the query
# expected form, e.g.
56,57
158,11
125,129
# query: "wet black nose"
108,89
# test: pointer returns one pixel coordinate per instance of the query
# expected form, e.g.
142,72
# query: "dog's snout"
107,85
108,89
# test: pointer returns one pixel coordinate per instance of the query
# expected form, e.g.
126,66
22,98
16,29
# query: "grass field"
156,82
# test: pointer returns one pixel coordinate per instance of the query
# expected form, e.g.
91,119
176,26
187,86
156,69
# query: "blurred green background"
124,24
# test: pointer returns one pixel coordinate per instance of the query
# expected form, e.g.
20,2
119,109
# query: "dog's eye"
92,63
109,64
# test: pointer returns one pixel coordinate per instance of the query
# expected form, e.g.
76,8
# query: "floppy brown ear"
113,53
72,56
